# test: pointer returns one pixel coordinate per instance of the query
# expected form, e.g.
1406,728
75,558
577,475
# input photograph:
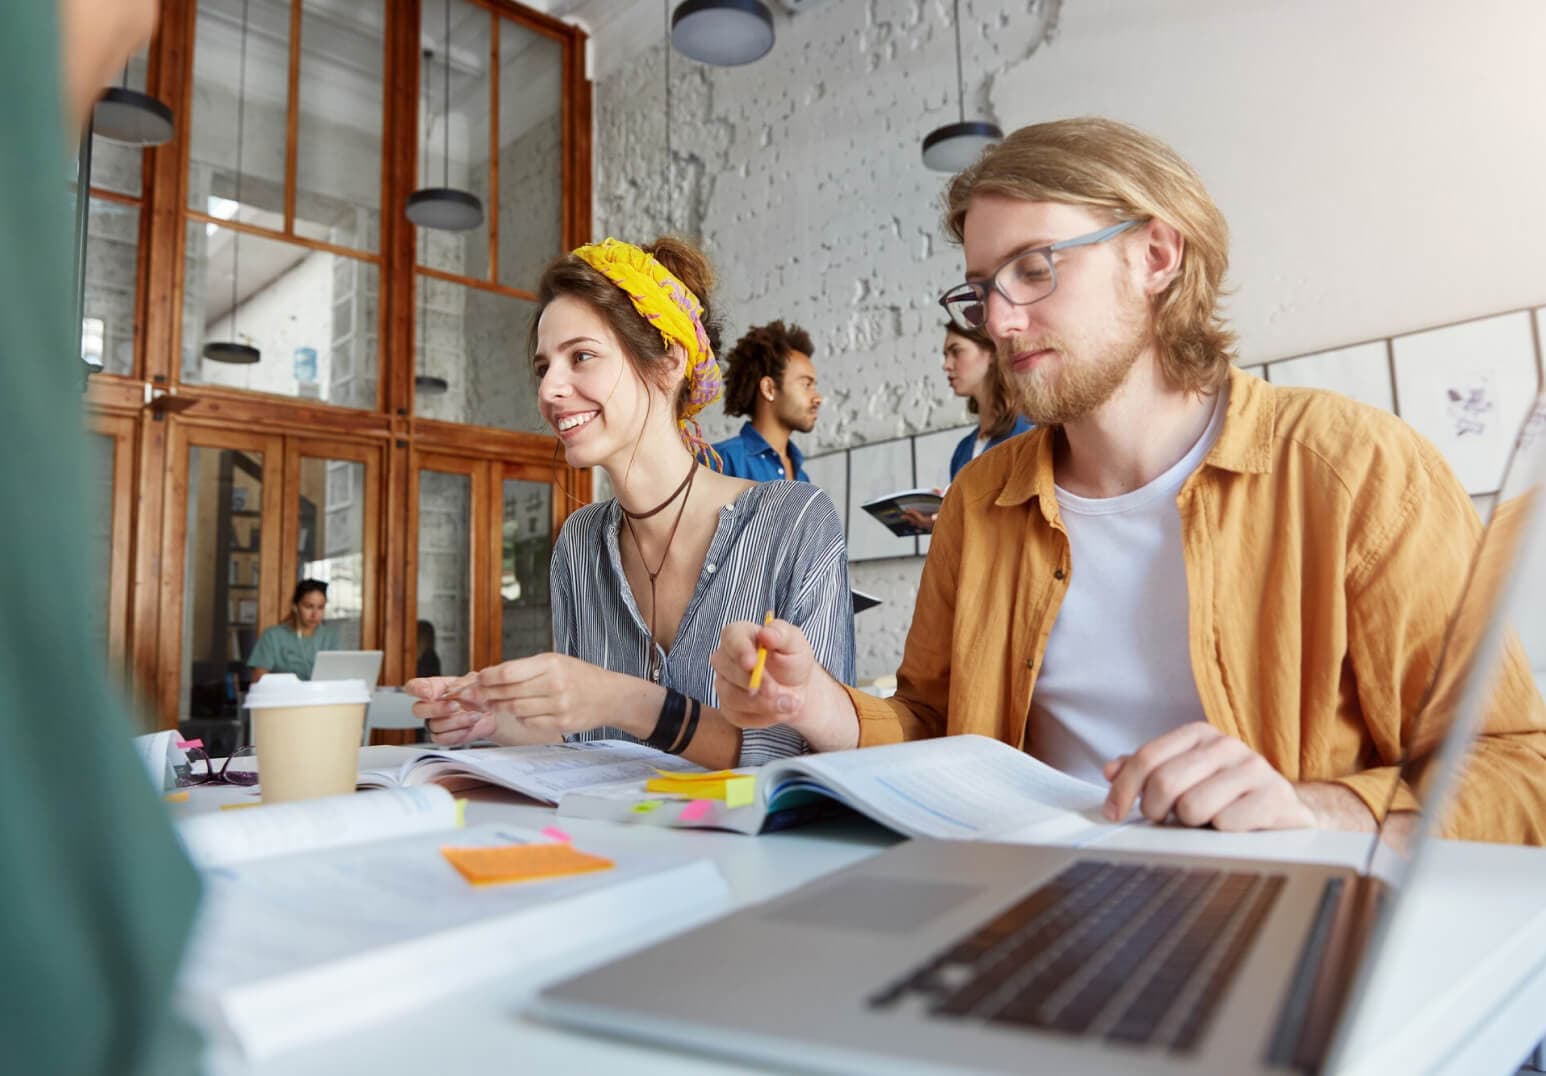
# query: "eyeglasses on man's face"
1026,278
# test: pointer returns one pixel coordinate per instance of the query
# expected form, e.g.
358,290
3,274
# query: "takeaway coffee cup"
307,734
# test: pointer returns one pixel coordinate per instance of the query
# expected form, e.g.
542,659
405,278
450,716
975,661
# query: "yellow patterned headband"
668,304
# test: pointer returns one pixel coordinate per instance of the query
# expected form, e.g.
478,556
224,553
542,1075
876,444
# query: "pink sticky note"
695,811
185,744
553,833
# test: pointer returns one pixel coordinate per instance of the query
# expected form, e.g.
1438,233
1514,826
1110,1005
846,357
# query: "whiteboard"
874,471
1361,372
1466,388
830,472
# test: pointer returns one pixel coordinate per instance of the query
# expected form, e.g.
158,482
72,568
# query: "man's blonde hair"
1110,166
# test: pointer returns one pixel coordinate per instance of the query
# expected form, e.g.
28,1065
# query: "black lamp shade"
725,33
445,208
131,117
232,352
427,385
958,145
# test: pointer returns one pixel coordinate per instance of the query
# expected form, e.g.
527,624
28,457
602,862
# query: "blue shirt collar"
757,445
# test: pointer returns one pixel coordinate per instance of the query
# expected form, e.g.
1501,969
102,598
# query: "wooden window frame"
147,407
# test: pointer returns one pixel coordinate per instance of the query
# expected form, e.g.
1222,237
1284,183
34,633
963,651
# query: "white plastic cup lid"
287,689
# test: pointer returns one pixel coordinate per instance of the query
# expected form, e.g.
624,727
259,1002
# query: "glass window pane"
310,313
475,342
454,126
523,579
221,585
338,151
531,166
217,166
330,540
115,166
112,274
445,567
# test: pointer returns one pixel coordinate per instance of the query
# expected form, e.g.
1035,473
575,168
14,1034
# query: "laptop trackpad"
888,905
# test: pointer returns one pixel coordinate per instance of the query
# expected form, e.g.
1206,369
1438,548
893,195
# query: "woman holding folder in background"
971,367
642,584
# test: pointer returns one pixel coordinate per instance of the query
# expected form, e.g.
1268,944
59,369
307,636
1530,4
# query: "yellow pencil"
762,657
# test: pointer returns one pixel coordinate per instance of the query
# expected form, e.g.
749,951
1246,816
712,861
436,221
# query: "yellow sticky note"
736,789
717,775
461,813
176,797
521,862
646,806
239,806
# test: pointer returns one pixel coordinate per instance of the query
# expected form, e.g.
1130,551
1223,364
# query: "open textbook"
889,509
544,772
326,915
952,787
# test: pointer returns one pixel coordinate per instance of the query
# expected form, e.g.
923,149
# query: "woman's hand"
924,521
530,700
452,722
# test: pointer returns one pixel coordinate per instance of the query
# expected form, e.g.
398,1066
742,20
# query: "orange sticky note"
521,862
176,797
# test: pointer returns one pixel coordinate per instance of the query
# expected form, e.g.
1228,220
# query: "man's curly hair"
762,352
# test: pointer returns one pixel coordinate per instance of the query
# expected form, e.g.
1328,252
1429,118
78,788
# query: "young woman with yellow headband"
643,584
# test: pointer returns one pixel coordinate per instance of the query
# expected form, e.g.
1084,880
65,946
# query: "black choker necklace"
684,491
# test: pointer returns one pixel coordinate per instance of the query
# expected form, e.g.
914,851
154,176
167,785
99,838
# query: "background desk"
1470,1004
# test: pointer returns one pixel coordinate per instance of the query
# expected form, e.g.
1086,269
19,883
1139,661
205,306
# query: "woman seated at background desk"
291,645
971,367
642,584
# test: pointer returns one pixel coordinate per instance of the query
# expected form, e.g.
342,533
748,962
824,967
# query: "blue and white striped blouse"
779,546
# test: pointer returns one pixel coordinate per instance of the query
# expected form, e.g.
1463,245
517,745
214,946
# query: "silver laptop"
348,665
964,956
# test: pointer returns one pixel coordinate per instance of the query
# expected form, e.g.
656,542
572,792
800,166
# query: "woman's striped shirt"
779,546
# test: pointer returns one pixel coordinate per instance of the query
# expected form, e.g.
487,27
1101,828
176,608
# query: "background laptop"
962,956
348,665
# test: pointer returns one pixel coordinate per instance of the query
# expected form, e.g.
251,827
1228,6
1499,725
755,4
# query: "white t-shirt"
1118,666
979,446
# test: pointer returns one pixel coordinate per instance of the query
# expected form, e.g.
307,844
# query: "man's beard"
1082,376
800,419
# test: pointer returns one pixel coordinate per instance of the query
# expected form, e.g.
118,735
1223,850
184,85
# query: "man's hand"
795,690
781,695
1204,778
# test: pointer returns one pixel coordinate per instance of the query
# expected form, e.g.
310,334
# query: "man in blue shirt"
772,383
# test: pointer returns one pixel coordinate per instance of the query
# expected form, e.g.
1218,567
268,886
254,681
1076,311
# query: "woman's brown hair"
998,390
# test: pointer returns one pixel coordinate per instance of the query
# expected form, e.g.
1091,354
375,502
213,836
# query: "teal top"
98,896
281,650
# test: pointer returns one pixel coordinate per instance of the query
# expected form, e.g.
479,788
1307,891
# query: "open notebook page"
962,787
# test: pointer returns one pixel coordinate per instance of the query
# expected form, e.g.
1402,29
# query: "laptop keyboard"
1126,952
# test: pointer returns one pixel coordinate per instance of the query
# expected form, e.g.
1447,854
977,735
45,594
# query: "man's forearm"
829,721
1339,807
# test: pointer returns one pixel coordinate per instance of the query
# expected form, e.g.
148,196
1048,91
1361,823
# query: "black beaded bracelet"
690,731
669,725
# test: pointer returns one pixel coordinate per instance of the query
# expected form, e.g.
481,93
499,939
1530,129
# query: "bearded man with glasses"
1225,599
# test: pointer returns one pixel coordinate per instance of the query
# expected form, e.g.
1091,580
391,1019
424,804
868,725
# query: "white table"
1471,1003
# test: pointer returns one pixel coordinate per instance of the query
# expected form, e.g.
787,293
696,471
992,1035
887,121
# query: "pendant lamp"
131,117
232,350
427,384
444,208
956,145
725,33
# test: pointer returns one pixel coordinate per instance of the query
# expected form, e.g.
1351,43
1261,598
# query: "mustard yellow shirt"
1326,544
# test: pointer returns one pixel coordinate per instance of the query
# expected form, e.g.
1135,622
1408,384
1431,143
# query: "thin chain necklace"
684,491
